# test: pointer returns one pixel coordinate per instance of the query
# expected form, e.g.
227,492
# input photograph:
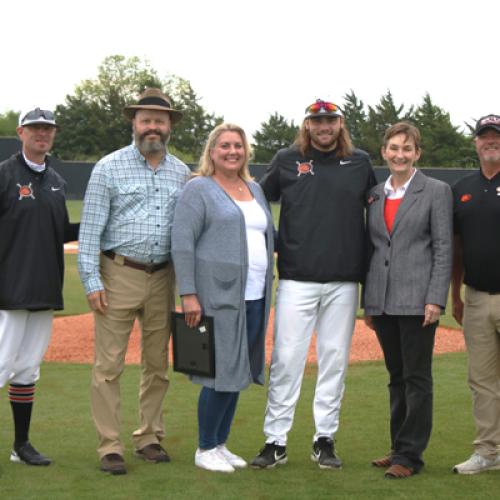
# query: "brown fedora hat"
153,98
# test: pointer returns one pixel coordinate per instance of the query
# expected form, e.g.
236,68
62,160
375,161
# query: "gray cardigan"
410,267
209,249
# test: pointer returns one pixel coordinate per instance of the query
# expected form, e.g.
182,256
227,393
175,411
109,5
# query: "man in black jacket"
322,182
34,226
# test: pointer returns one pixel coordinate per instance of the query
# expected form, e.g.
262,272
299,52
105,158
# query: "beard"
490,156
325,140
149,147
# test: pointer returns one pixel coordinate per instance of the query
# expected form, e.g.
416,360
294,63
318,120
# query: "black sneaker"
28,455
324,454
269,456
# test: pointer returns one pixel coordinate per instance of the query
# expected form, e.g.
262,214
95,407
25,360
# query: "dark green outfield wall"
77,173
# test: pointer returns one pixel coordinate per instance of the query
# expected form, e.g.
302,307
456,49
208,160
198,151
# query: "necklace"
236,186
232,185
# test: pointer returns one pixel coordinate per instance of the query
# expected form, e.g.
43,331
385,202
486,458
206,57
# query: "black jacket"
322,235
34,225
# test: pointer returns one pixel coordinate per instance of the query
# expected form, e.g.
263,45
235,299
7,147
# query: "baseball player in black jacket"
321,181
34,226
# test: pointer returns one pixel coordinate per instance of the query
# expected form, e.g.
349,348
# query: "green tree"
275,134
92,122
443,145
380,118
355,118
8,123
192,131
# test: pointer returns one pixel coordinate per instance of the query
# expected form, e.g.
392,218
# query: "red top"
390,209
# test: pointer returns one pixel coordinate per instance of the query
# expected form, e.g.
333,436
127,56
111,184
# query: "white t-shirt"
256,223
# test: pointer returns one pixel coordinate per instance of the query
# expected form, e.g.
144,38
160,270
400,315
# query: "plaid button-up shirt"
128,208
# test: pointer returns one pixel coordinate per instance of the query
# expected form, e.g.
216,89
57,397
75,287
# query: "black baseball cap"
488,121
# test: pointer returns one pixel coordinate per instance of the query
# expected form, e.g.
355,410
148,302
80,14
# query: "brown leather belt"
148,268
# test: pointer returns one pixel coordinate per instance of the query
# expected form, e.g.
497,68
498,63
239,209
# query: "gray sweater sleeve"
188,225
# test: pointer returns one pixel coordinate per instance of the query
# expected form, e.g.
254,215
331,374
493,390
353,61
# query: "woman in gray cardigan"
222,247
406,288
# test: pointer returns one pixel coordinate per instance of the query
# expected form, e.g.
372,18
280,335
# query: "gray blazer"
209,249
410,267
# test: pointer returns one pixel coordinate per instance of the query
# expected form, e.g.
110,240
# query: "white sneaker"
212,460
236,461
477,464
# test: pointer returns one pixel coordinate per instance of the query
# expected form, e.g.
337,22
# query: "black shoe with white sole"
323,453
270,456
26,454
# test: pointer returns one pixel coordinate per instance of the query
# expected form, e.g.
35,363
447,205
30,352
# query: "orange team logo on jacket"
465,198
305,168
25,191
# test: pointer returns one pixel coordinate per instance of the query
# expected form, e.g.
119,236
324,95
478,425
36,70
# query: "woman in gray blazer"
406,288
222,247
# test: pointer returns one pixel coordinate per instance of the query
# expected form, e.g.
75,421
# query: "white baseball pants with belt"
301,308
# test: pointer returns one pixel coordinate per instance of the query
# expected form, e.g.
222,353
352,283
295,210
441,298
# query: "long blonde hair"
206,165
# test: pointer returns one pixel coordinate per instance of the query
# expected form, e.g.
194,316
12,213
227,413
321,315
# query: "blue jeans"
216,409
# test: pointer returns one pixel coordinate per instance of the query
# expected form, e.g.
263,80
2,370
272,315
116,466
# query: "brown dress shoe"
398,471
114,464
383,461
153,453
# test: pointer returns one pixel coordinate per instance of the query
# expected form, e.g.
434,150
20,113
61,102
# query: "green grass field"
62,428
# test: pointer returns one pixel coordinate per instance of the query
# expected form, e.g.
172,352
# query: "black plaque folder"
194,349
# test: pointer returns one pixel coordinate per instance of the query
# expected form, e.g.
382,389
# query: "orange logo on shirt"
25,191
305,168
465,198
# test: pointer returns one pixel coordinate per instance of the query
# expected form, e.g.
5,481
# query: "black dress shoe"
26,454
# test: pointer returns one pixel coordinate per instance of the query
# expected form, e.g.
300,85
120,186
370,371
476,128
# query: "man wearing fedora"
125,268
476,264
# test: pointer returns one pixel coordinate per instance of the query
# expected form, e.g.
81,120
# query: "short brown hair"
405,128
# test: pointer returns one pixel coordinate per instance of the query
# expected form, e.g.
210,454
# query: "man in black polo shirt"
477,264
322,182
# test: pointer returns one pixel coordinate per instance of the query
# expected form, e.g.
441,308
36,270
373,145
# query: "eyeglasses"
37,113
329,107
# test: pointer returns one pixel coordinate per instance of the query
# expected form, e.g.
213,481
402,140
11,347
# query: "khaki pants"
131,294
482,338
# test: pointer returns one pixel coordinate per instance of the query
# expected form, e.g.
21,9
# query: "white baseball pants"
301,307
24,338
